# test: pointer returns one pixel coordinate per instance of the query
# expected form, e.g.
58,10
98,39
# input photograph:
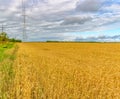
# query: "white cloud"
113,7
56,18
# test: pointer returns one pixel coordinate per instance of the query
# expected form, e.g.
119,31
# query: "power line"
24,9
24,20
2,28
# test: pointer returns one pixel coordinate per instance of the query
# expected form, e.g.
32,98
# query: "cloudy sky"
69,20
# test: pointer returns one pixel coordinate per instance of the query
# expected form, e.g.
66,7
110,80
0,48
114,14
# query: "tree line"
4,38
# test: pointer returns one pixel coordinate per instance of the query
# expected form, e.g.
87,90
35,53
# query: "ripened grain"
67,71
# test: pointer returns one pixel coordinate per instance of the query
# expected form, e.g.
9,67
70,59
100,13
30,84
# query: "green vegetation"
50,41
53,41
7,56
4,47
4,38
14,40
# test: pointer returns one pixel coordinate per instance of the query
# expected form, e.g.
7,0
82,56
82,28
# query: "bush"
14,40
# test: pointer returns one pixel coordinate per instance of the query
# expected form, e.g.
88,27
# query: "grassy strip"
7,56
3,48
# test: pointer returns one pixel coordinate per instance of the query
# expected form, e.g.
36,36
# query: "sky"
62,20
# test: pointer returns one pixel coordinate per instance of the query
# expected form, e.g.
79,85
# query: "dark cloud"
76,20
99,38
88,5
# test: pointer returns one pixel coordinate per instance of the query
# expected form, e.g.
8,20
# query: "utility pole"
24,20
2,28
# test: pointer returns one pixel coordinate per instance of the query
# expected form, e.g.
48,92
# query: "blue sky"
69,20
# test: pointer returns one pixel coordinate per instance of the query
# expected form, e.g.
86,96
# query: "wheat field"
67,71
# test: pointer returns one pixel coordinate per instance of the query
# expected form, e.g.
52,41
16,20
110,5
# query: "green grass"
4,47
6,69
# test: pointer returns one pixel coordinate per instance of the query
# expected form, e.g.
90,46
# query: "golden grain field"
67,71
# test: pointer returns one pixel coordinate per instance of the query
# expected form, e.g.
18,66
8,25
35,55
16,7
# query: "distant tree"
14,40
51,41
3,37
